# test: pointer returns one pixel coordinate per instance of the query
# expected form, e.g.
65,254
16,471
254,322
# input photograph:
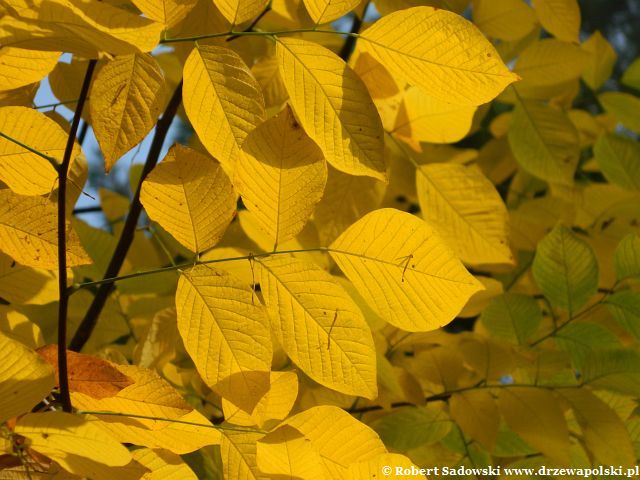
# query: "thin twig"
63,304
126,237
253,23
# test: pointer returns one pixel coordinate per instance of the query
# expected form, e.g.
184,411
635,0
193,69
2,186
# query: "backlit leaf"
325,11
127,97
619,159
506,19
219,318
466,210
191,197
625,308
281,176
624,107
513,317
338,352
615,370
417,45
561,18
29,232
239,11
222,100
164,465
603,58
166,12
350,133
25,379
565,269
20,67
404,270
627,257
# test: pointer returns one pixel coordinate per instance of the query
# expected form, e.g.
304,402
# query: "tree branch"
63,304
350,43
91,318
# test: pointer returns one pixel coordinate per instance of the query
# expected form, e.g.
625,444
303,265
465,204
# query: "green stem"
53,161
232,33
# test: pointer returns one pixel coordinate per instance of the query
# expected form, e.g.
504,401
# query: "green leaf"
565,269
619,160
625,308
513,317
410,427
582,338
627,257
616,370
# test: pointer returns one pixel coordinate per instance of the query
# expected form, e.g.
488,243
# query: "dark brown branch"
350,43
63,304
91,318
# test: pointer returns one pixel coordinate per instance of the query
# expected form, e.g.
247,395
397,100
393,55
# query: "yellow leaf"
624,107
281,176
476,412
267,75
222,100
158,345
603,58
20,67
191,197
239,11
17,326
288,452
336,437
426,119
338,350
83,27
164,465
561,18
29,232
631,76
150,396
544,141
56,434
617,157
126,99
350,132
603,431
419,45
23,171
391,465
238,451
220,318
273,407
325,11
507,19
20,284
25,379
346,199
166,12
536,416
404,270
550,62
376,78
466,210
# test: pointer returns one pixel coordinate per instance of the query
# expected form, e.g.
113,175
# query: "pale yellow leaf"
349,131
505,19
56,434
84,27
222,100
164,465
239,11
25,378
544,141
423,118
166,12
23,171
220,318
29,232
404,270
561,18
238,451
536,415
338,350
466,210
17,326
191,197
281,176
325,11
151,396
20,67
550,62
624,107
376,78
440,52
268,77
126,99
603,58
20,284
